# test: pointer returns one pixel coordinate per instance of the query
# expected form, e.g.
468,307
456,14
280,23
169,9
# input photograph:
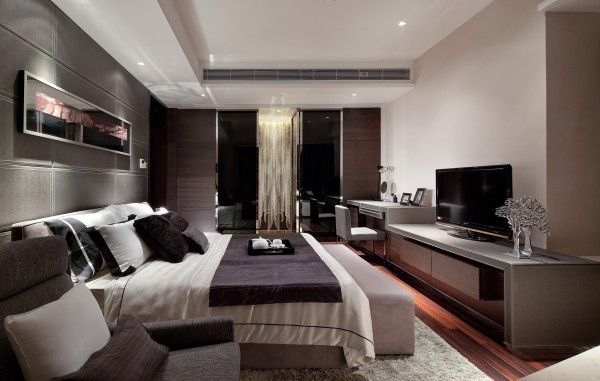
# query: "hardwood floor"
492,358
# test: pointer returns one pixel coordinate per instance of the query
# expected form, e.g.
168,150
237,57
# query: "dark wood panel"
197,125
158,156
33,20
78,51
359,186
18,55
362,124
361,156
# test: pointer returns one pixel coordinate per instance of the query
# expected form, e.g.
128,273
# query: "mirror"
54,113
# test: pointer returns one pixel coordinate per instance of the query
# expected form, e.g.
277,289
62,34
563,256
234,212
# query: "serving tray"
287,250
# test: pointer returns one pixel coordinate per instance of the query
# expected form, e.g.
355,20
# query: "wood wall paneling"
361,152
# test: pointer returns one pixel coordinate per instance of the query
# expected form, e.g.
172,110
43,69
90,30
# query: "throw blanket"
160,291
242,279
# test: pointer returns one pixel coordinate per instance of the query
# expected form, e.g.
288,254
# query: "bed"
271,335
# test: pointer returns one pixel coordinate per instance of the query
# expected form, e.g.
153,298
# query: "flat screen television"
467,199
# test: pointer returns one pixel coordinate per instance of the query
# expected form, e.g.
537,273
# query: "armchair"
33,273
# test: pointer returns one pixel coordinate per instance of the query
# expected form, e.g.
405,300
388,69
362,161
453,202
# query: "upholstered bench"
392,306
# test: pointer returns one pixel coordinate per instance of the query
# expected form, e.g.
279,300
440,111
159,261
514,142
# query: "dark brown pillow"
163,237
180,223
196,240
129,355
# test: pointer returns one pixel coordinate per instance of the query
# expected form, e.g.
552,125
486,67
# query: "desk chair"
344,230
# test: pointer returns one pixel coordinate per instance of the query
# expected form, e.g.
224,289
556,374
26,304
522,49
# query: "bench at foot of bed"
392,306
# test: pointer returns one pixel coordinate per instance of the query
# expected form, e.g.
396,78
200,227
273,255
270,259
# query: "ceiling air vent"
307,74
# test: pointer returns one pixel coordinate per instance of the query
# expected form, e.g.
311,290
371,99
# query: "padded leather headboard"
37,228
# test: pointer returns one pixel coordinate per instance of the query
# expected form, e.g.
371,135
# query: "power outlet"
143,164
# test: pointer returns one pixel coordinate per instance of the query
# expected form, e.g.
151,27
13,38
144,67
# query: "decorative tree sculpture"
523,214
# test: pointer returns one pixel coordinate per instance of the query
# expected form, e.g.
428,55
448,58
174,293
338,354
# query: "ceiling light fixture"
141,63
354,94
402,23
202,95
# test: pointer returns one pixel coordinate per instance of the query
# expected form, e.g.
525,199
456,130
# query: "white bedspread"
159,291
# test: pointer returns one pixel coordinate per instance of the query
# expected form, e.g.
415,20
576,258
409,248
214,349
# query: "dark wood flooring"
492,358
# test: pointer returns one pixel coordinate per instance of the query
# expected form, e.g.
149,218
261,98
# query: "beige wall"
479,99
573,67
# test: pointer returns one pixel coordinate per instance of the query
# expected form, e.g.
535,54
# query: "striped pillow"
84,256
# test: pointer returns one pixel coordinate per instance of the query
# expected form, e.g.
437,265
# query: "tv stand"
471,235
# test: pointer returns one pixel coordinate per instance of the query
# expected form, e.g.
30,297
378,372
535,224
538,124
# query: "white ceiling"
176,39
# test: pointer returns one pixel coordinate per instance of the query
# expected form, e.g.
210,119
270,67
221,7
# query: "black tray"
287,250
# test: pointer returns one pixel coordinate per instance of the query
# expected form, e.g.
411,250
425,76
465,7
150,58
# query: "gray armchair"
33,273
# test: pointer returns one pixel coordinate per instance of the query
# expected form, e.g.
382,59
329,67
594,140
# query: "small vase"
516,251
527,250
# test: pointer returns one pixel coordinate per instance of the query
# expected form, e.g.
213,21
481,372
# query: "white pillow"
140,209
59,337
122,249
103,217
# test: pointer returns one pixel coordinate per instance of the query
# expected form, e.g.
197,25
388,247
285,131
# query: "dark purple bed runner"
243,279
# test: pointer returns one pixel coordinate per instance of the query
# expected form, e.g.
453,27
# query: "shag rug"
434,359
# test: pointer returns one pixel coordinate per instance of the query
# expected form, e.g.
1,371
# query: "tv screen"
467,198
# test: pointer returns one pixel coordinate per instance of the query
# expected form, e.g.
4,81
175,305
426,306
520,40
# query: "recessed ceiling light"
141,63
278,110
202,95
354,94
402,23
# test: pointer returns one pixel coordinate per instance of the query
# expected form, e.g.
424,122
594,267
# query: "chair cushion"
211,362
366,234
130,355
58,338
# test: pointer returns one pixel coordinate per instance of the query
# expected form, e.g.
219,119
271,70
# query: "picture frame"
405,199
54,113
419,196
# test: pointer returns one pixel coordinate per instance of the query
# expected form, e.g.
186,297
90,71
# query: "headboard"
37,228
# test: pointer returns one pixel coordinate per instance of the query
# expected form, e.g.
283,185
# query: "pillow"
197,241
84,256
121,247
59,337
180,223
140,209
163,237
129,355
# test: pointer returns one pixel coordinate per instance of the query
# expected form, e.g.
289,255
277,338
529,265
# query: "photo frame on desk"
405,199
419,196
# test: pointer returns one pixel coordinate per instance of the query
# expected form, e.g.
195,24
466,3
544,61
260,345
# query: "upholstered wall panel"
138,119
41,177
78,51
17,55
132,92
83,157
78,85
39,27
26,193
132,163
19,147
131,188
82,190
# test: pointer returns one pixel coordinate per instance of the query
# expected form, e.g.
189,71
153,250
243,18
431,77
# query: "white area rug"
434,359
